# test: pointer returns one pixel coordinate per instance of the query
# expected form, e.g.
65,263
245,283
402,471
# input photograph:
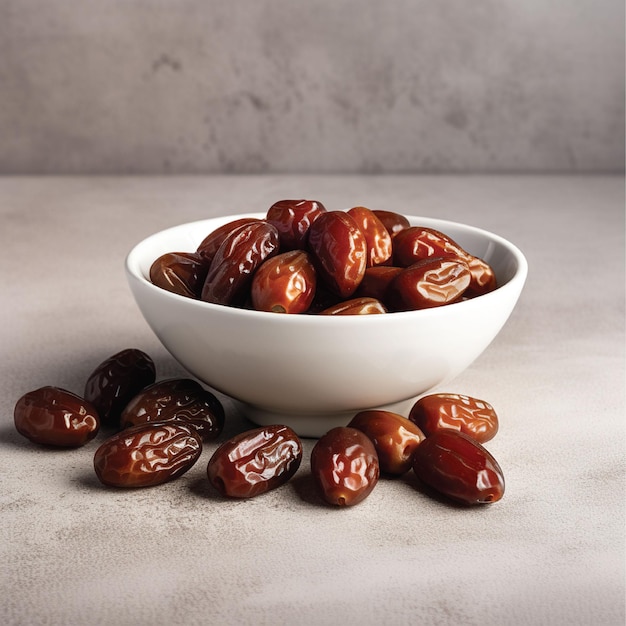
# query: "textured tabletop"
551,552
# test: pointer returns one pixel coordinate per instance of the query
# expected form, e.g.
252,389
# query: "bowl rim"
133,259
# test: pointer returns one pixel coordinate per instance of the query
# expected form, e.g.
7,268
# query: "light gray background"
209,86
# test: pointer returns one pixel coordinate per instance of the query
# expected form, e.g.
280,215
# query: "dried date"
255,462
344,465
429,283
394,436
458,467
182,273
392,221
180,399
210,244
147,455
116,381
285,283
292,219
378,239
240,254
453,411
356,306
339,251
52,416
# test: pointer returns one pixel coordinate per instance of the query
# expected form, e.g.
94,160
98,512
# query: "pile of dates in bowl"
306,316
156,432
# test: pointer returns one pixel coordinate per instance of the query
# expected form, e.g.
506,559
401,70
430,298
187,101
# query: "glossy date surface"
182,273
255,461
394,222
285,283
116,381
210,244
344,465
292,219
458,467
339,251
379,247
180,399
147,455
356,306
52,416
394,436
453,411
428,283
240,254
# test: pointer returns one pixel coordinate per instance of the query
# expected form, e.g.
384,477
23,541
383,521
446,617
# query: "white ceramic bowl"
315,372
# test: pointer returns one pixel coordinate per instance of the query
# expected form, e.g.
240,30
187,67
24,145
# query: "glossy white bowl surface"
315,372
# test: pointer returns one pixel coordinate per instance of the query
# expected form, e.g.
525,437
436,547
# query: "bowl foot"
314,425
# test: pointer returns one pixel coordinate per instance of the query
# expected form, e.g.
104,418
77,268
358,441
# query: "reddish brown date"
147,455
454,411
182,273
240,254
339,250
285,283
292,219
429,283
458,467
181,399
394,436
255,462
210,244
356,306
417,242
112,385
344,465
376,235
393,222
52,416
376,281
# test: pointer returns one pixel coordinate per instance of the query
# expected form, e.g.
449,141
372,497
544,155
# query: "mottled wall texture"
221,86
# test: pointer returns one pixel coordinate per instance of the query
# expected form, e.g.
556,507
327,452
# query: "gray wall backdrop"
213,86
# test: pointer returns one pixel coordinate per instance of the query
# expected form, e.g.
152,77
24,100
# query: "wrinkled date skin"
285,283
240,254
458,467
52,416
113,384
339,250
356,306
292,219
376,235
182,273
147,455
454,411
417,242
210,244
344,465
428,283
394,436
255,462
181,399
392,221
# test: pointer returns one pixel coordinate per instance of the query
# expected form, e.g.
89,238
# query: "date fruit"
376,235
182,273
458,467
394,436
181,399
344,465
240,254
210,244
255,461
376,281
454,411
339,251
356,306
52,416
285,283
392,221
113,384
292,219
428,283
147,455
